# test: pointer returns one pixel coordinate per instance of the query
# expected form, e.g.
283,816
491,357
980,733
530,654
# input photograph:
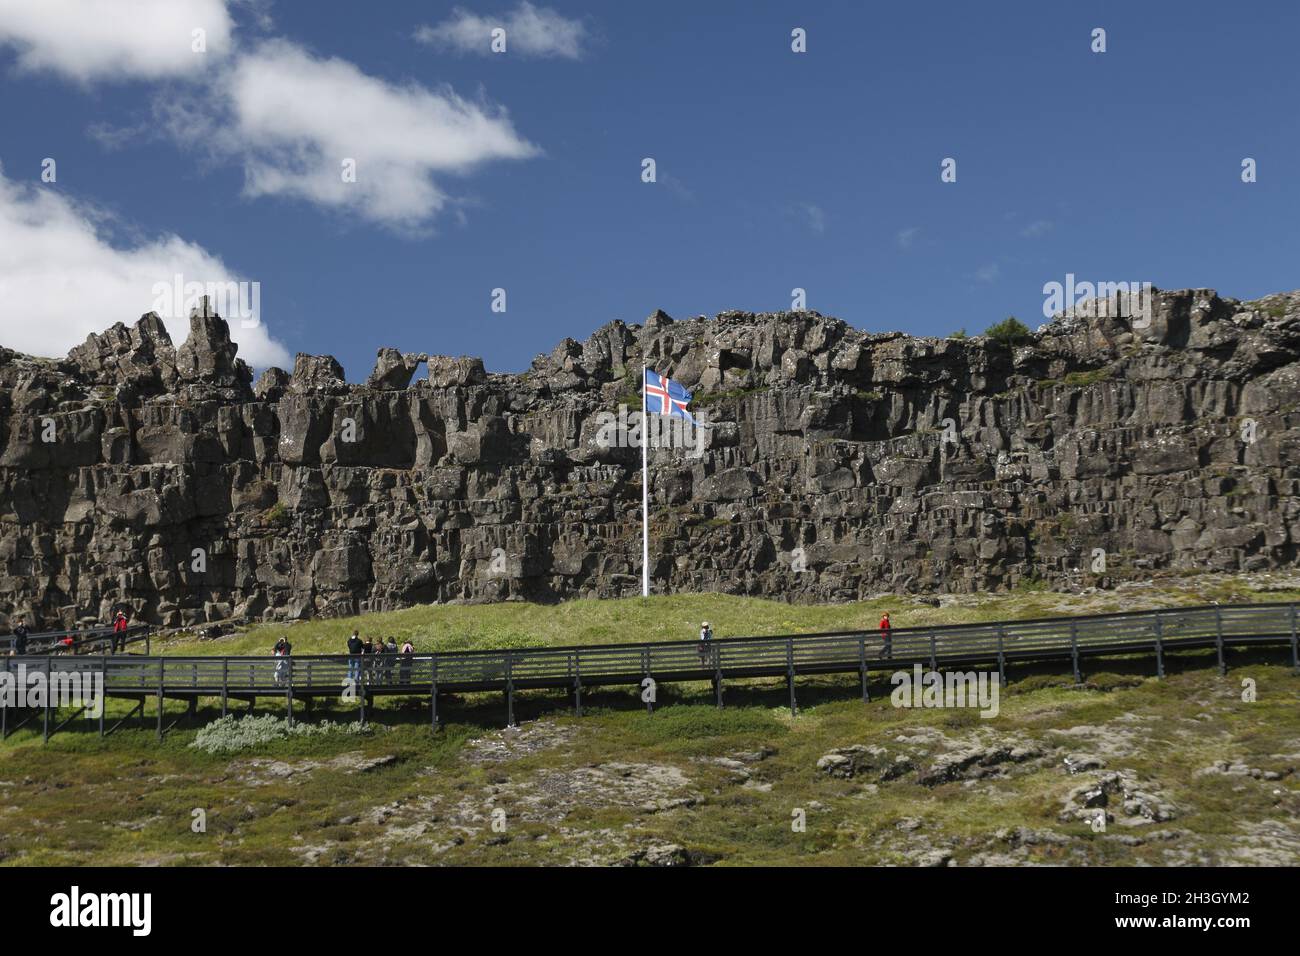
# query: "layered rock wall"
837,464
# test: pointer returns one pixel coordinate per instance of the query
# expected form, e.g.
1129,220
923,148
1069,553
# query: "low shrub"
231,734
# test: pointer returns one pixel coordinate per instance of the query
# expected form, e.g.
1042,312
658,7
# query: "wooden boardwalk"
358,680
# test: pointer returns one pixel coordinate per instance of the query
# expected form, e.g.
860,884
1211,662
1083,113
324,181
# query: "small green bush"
1010,331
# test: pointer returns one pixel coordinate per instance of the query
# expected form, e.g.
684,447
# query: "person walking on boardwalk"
885,632
355,650
19,647
119,632
408,652
282,650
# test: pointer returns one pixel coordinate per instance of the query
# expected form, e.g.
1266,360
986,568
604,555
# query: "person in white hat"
706,635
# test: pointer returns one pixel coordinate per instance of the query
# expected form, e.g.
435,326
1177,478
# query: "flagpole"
645,496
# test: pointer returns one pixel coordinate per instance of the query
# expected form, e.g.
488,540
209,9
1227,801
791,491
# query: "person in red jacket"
884,633
119,632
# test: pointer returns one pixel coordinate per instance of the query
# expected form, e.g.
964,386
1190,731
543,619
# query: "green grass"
1091,377
129,800
678,616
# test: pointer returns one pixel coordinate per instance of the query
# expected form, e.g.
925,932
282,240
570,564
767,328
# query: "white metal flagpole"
645,496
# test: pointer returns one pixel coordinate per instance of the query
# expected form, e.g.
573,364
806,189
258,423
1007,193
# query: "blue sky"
775,170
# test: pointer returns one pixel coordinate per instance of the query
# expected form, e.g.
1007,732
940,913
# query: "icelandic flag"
663,396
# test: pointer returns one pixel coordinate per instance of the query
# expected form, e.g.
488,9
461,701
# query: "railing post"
717,674
1295,644
160,698
577,683
1160,651
1218,639
288,703
49,693
645,671
862,666
225,684
433,695
789,674
1074,651
1002,663
510,689
361,687
934,652
103,692
4,711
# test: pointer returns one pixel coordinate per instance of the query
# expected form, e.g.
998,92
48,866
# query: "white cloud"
907,237
89,40
61,278
814,216
988,273
530,31
677,187
293,119
1037,228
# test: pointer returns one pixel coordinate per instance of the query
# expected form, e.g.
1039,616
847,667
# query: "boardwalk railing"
361,678
86,641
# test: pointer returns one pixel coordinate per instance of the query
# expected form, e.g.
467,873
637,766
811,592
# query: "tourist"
355,650
408,652
368,671
282,650
706,635
885,632
19,647
390,652
119,632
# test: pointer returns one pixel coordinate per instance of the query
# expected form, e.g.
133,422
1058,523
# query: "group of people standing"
377,659
384,657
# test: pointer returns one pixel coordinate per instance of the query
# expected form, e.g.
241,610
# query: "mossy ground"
724,785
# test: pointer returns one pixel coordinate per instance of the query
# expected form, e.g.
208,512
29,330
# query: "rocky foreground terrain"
1121,770
838,464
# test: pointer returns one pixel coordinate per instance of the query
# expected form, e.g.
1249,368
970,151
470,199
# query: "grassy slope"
678,617
607,786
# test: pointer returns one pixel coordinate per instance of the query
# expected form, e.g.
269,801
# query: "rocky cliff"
835,464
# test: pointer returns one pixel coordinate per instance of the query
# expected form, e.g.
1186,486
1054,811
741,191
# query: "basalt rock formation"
835,464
